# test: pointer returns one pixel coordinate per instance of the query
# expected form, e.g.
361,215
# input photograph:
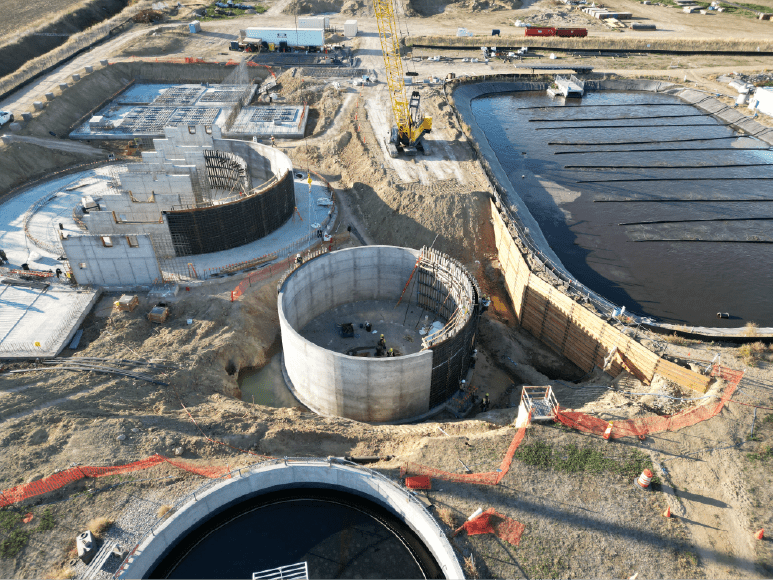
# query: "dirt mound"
148,16
313,6
156,44
431,8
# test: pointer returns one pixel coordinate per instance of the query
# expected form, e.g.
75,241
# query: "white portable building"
314,22
350,28
290,36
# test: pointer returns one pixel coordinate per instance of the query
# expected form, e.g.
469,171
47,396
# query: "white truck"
5,117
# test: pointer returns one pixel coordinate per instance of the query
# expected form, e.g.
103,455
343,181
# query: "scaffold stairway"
540,401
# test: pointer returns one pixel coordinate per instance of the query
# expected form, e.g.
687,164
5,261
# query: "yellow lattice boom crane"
410,123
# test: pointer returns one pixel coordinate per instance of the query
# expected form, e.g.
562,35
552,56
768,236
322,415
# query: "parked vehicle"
5,117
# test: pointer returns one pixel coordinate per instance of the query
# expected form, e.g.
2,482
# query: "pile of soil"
313,6
431,8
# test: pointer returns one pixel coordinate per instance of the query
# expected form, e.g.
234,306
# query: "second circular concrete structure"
379,389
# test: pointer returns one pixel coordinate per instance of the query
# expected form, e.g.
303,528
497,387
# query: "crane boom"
409,129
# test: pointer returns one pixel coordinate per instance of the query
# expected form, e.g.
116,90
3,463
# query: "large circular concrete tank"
378,389
201,530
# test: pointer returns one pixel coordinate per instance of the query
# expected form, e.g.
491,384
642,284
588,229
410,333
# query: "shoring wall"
570,329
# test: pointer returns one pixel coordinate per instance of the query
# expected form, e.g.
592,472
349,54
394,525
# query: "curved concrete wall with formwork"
381,389
234,167
288,474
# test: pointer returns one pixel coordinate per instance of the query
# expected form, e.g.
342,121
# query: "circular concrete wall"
380,389
269,477
264,208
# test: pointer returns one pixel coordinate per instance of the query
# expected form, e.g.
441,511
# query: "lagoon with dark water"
647,200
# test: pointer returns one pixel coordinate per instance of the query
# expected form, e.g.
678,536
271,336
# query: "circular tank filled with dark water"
338,535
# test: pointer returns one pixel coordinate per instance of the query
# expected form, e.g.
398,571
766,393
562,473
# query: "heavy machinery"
411,125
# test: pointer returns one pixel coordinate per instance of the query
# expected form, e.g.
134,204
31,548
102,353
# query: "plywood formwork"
571,329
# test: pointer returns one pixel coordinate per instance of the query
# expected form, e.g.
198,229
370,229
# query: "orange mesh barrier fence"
418,482
488,478
59,480
260,275
491,522
655,424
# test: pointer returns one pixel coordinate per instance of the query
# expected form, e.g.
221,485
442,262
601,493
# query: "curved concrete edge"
468,89
251,482
314,409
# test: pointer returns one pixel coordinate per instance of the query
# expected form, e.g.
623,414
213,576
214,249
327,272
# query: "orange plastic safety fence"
418,482
491,522
260,275
655,424
59,480
488,478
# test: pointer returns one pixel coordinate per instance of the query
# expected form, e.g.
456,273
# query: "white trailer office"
289,36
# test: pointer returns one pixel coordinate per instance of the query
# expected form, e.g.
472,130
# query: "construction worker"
273,141
58,273
381,346
298,259
473,358
484,404
391,352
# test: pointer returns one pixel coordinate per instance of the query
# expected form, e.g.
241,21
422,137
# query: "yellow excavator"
411,125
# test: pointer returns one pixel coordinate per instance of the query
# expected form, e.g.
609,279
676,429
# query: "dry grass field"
20,17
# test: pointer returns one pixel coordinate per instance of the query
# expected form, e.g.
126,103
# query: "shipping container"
581,32
289,36
540,32
350,28
314,22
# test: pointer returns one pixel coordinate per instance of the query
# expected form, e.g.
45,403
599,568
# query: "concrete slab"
144,109
400,326
39,322
54,202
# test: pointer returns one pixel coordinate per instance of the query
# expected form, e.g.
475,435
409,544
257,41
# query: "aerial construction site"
322,288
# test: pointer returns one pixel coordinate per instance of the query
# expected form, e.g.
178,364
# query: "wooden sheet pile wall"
573,330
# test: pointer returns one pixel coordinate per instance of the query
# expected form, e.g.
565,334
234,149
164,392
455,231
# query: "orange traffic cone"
608,431
644,479
760,535
667,513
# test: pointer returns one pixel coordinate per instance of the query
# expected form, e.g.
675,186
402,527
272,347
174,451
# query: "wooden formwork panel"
682,376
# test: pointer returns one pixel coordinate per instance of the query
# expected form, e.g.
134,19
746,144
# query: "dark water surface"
338,535
664,253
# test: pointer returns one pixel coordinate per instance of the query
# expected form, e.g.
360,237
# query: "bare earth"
585,523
